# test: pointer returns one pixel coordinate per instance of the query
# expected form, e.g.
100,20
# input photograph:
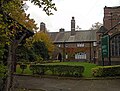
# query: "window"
94,44
80,45
59,45
115,46
66,45
66,56
80,55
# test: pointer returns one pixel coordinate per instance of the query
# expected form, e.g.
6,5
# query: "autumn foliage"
44,37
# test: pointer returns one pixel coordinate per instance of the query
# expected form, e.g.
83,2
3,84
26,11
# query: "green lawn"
87,66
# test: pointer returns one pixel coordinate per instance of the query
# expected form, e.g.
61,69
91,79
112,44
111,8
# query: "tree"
36,53
10,26
47,5
14,8
40,50
44,37
96,26
38,46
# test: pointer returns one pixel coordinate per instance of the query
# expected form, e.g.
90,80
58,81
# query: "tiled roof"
80,36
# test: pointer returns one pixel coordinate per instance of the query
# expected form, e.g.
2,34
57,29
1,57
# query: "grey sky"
86,13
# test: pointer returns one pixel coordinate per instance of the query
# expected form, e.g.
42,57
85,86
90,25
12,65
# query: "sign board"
105,46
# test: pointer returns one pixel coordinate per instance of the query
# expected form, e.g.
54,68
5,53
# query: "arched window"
115,46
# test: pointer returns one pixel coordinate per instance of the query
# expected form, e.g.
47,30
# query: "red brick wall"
71,49
111,16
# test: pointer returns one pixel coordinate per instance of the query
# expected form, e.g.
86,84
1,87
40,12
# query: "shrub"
61,70
2,76
106,71
32,68
2,70
23,67
39,59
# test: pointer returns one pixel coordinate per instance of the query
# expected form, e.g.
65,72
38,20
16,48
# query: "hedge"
106,71
23,67
60,70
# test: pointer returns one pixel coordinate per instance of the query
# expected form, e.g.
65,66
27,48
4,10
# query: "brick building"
111,27
75,45
111,16
85,45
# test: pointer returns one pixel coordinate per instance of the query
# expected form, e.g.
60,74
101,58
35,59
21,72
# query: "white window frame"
80,55
80,45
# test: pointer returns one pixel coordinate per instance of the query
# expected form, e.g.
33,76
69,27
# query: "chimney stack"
42,27
72,26
61,30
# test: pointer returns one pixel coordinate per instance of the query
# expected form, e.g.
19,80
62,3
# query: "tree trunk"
9,68
14,60
11,63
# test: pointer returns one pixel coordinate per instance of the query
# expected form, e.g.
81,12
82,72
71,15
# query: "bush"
2,71
106,71
60,70
39,59
23,67
2,76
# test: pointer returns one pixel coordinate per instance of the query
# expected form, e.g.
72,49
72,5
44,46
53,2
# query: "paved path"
48,84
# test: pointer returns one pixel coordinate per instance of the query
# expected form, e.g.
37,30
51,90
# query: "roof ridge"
112,7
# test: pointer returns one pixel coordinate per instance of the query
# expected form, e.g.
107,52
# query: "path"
67,85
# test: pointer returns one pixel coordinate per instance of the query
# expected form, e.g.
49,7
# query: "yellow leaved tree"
44,37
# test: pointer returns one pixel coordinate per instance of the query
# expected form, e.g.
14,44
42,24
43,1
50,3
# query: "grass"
87,72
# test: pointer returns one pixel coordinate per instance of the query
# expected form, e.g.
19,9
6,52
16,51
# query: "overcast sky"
86,13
